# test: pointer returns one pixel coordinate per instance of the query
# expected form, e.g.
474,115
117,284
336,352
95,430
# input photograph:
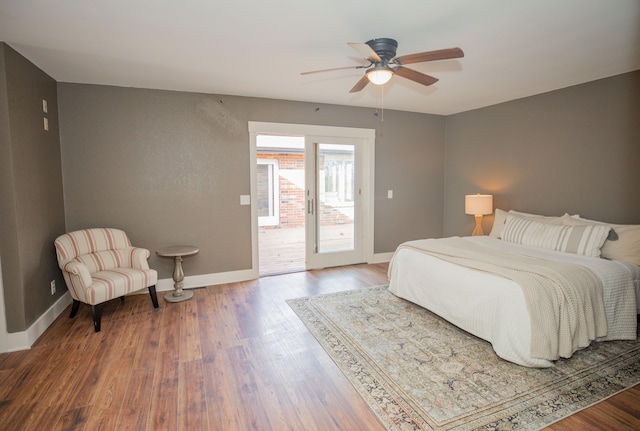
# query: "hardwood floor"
235,357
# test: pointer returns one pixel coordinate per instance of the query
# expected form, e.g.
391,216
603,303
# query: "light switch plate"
245,199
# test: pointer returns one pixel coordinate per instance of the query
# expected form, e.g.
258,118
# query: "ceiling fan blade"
365,51
360,84
335,68
415,76
440,54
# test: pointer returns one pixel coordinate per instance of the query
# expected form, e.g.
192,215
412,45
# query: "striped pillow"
585,240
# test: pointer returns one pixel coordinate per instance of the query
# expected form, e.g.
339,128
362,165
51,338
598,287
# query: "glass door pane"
334,202
335,187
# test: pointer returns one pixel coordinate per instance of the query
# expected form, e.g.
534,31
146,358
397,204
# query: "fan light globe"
379,76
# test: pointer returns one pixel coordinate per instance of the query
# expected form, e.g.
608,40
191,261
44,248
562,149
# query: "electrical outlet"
53,287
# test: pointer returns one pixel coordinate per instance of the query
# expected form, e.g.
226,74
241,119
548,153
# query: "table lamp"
478,205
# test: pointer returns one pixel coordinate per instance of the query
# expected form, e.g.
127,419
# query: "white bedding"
493,308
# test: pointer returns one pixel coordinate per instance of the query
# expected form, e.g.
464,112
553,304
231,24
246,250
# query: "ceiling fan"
383,63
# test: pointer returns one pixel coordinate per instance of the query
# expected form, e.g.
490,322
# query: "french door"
333,193
338,192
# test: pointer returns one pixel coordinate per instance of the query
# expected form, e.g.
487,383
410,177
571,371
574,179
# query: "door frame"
368,190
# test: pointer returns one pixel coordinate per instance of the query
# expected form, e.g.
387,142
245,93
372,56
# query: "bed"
482,292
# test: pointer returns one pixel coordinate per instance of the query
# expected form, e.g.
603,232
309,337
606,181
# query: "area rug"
419,372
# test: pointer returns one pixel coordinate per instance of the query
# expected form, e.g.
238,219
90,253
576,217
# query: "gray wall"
574,150
31,202
169,167
409,161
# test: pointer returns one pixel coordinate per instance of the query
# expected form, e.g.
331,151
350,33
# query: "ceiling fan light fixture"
380,75
383,63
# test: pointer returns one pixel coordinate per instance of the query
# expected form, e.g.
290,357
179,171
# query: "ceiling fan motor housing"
384,47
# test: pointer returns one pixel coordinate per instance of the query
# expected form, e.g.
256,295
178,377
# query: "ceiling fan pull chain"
382,105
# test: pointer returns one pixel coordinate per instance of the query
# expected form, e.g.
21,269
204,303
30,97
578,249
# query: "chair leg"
97,314
154,296
74,309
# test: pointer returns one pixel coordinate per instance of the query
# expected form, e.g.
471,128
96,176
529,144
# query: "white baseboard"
24,340
196,281
382,257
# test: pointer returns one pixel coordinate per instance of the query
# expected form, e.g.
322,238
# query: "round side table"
177,252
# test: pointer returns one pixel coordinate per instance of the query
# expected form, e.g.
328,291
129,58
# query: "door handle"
310,207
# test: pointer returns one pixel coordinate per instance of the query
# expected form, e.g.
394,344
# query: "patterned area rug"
418,372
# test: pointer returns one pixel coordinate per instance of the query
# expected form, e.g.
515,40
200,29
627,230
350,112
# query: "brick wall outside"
292,199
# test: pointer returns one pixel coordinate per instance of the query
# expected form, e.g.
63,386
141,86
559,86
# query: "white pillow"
584,240
498,223
529,215
501,217
626,247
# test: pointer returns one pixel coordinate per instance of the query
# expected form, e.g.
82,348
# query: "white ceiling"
513,48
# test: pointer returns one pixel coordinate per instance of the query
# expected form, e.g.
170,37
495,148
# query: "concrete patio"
282,250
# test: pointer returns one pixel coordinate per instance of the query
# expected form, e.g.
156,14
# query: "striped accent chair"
99,265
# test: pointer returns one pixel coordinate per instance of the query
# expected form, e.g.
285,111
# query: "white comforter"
493,308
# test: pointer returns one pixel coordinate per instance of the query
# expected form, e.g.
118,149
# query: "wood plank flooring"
235,357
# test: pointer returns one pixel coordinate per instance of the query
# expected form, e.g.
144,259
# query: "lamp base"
478,230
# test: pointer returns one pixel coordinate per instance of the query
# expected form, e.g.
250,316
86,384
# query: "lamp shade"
478,204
